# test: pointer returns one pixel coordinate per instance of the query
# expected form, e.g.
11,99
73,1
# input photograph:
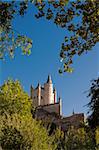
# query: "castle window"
34,97
41,97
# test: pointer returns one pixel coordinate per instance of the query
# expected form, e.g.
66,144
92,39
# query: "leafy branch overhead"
11,39
79,18
94,104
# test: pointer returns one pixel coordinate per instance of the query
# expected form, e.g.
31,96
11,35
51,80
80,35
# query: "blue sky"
44,60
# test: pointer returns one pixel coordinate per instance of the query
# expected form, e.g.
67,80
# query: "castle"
49,108
46,97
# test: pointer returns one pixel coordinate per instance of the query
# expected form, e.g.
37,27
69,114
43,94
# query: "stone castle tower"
46,96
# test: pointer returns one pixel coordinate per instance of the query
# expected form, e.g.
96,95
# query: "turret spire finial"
38,84
73,112
49,80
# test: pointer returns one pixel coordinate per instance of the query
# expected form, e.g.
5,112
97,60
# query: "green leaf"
60,71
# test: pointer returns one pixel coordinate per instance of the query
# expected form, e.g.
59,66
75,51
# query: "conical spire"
49,79
38,84
31,86
60,105
54,90
31,91
59,99
73,112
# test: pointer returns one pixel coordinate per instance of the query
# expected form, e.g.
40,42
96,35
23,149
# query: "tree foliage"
79,139
18,130
58,138
97,137
23,133
13,99
74,139
94,104
79,18
10,38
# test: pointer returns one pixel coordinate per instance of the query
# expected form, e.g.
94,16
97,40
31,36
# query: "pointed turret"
73,112
60,105
31,86
39,93
55,98
31,91
38,86
48,91
49,80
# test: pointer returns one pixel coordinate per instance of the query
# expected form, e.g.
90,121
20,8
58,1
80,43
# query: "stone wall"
52,108
34,96
75,120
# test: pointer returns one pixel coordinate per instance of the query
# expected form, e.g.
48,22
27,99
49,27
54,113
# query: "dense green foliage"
23,133
94,104
79,18
11,39
18,130
79,139
13,99
75,139
97,137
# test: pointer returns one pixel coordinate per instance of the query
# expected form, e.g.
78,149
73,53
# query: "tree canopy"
78,17
13,99
10,38
93,105
18,130
74,139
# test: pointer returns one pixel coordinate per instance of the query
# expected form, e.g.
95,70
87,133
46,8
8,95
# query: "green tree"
97,137
11,39
79,17
58,138
74,139
18,130
13,99
77,139
93,105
